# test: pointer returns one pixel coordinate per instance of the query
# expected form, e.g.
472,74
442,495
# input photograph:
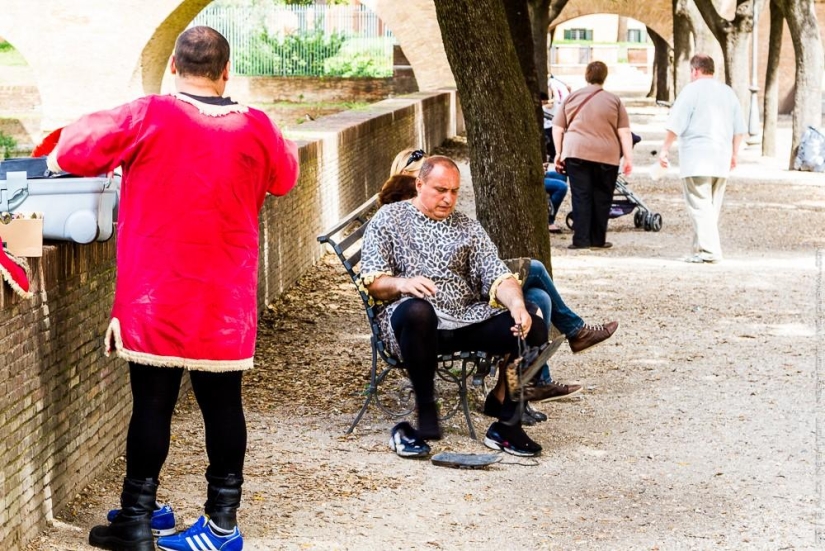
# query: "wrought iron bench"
389,386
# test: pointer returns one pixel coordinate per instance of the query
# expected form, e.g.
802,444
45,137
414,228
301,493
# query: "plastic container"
74,209
657,170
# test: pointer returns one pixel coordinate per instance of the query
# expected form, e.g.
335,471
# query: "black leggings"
154,395
415,325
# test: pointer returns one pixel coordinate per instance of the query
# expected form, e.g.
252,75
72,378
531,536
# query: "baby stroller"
625,202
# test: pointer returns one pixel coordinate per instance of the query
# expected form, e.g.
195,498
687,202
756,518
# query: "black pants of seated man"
416,329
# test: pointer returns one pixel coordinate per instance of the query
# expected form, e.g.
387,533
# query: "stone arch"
154,58
655,14
415,26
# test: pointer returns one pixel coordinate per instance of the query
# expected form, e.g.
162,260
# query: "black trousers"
591,193
415,325
154,395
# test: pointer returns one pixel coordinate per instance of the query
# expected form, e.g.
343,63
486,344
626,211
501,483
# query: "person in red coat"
197,167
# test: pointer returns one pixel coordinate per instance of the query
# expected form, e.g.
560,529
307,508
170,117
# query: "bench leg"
370,394
462,392
371,391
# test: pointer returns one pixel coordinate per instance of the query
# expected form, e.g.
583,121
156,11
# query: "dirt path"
697,429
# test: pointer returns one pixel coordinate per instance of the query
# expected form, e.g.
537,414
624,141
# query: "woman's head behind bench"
401,183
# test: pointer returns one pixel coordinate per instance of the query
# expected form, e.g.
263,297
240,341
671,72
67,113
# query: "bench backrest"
345,239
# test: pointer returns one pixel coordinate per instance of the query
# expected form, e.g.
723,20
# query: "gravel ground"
697,428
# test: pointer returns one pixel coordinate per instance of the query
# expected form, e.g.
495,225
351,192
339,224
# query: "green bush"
293,55
7,144
363,64
364,57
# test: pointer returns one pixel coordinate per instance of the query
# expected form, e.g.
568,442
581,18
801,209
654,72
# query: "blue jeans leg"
541,291
560,315
555,185
540,298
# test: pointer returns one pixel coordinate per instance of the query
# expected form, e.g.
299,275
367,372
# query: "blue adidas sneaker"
163,520
201,537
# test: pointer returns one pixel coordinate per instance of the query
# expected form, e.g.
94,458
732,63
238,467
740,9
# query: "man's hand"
418,286
733,161
670,137
509,294
522,318
390,288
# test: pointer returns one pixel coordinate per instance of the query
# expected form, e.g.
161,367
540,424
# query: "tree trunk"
621,29
733,36
807,46
661,67
703,39
505,157
539,23
737,66
518,21
771,99
555,9
552,13
682,45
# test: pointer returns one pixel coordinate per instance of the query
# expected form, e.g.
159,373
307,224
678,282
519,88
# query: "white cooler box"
74,209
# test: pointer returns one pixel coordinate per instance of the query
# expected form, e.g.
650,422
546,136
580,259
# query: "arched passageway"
620,42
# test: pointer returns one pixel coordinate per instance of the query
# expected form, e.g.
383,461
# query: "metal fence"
303,40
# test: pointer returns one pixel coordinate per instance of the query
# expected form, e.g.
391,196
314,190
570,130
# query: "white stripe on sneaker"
192,545
206,545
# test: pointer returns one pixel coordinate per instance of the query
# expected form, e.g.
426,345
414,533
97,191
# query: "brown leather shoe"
545,392
591,335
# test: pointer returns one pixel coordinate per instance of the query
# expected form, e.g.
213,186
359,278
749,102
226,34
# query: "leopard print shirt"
455,253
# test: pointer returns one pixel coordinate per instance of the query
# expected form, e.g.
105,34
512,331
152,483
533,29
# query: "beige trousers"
703,197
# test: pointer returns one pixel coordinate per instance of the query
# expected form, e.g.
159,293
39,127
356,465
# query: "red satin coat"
195,177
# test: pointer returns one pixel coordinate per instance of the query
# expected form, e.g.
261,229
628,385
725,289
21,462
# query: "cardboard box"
23,236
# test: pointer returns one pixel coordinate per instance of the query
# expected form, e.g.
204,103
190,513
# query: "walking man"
707,119
196,169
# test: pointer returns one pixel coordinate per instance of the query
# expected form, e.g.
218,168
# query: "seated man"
441,288
537,285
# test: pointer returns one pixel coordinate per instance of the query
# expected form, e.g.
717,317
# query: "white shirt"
558,91
705,117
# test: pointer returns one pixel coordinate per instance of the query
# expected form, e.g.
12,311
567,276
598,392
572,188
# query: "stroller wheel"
656,222
638,218
569,220
648,222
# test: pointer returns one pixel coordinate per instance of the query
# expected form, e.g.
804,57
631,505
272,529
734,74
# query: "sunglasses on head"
415,156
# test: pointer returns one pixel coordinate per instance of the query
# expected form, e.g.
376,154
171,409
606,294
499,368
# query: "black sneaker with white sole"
511,439
404,441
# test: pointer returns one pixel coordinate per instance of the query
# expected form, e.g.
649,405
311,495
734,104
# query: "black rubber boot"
223,497
131,530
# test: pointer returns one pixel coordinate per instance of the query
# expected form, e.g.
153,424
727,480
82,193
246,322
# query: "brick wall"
257,90
64,406
19,99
